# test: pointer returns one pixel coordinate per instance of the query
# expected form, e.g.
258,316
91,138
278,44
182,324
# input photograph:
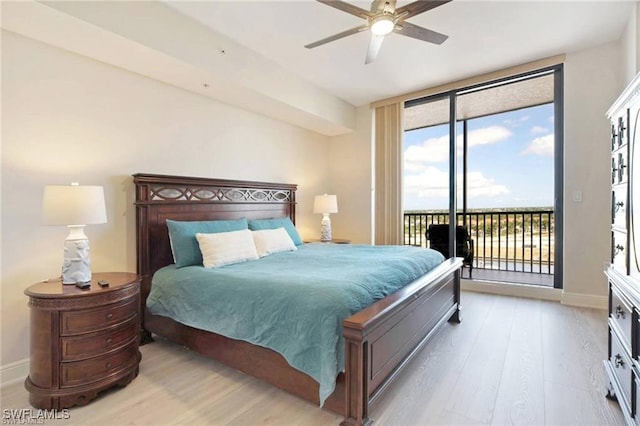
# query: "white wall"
592,82
350,165
69,118
630,46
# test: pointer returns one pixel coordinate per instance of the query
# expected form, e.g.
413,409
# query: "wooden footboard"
383,338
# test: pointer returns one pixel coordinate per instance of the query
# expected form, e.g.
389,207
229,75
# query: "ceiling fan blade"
417,7
338,36
346,7
414,31
374,48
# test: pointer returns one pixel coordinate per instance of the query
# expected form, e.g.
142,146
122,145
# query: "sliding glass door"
492,154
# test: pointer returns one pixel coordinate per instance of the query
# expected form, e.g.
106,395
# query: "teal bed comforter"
293,303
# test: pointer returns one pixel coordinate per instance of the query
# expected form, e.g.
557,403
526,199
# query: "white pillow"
225,248
269,241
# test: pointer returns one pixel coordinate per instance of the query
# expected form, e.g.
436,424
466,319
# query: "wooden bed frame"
379,340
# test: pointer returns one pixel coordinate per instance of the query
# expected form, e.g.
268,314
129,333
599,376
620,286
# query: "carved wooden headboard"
160,197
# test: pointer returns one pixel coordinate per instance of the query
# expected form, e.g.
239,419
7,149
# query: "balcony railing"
513,240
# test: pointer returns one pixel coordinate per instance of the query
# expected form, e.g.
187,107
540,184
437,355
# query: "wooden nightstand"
333,241
82,341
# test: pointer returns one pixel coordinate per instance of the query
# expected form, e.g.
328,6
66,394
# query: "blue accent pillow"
182,236
282,222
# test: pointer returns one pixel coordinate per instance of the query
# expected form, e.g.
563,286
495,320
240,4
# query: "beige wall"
68,118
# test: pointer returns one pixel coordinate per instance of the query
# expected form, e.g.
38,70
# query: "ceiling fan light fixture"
382,25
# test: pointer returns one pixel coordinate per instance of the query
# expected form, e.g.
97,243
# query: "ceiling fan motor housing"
382,24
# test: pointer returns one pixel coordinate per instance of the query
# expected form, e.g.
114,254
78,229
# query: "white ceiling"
483,36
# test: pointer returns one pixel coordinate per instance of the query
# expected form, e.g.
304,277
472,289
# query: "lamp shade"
73,205
325,204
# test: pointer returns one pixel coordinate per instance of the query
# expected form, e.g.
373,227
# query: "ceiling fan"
383,19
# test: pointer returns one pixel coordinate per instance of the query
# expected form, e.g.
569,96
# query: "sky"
510,162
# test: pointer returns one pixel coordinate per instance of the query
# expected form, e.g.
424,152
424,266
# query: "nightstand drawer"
621,313
85,321
87,346
621,365
91,370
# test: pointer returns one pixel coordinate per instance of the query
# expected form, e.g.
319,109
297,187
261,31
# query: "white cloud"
480,186
517,122
540,146
539,129
432,182
436,150
486,136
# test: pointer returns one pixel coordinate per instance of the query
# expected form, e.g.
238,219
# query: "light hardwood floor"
510,361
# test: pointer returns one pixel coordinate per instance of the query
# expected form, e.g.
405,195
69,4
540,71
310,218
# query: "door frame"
558,160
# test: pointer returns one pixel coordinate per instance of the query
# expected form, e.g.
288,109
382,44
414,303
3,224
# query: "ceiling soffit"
482,102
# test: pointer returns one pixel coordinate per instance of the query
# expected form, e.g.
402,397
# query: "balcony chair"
438,236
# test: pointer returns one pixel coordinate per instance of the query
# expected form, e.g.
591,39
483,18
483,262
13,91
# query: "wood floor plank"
566,405
572,353
410,401
520,398
573,350
479,381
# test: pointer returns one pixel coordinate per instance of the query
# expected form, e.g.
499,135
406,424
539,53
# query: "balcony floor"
545,280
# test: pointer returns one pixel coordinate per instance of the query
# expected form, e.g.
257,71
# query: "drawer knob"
619,205
109,364
109,340
619,248
619,312
618,361
109,315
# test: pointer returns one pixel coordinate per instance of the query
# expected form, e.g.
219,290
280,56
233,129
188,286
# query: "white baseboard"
14,372
537,292
508,289
585,300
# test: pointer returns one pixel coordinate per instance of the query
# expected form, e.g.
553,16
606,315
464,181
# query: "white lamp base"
325,228
76,267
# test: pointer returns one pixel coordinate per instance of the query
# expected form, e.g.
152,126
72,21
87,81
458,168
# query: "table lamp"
325,204
74,206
